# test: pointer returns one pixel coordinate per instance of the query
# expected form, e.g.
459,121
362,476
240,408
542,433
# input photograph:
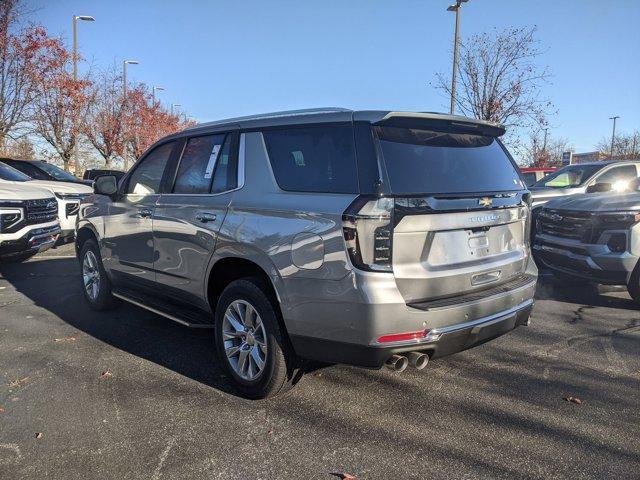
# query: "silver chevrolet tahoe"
357,237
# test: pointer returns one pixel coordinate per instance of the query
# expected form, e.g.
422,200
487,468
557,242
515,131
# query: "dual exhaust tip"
399,363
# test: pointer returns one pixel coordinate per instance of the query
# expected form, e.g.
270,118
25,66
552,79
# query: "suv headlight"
67,196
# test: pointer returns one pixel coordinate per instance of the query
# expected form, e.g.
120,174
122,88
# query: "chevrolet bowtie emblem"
485,202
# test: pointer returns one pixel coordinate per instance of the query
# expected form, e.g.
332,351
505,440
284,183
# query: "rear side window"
313,159
197,165
426,161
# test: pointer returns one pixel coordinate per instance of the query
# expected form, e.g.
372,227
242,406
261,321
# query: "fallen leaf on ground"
1,409
572,399
106,374
344,476
39,434
67,339
18,383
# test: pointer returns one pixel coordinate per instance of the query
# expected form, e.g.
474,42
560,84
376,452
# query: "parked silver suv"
366,238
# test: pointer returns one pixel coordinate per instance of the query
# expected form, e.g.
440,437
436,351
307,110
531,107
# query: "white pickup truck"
28,221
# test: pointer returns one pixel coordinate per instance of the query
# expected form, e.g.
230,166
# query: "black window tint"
313,159
197,164
616,174
146,178
226,175
425,161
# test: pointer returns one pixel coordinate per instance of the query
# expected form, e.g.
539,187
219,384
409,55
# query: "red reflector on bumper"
400,337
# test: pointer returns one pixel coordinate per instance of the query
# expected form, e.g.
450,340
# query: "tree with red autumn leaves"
146,122
61,104
27,56
104,124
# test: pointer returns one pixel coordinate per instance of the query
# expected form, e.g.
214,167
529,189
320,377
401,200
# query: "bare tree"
499,79
625,146
21,148
538,153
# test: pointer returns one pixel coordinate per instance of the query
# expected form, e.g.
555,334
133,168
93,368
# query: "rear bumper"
444,341
34,240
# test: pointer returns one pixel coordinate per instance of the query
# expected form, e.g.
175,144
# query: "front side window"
568,177
422,161
618,177
313,159
146,178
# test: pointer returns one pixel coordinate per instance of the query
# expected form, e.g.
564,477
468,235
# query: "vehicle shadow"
54,284
590,295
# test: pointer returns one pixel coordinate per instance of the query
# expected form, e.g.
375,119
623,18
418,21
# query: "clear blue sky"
225,58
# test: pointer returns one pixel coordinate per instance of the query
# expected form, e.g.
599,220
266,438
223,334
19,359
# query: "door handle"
144,213
205,217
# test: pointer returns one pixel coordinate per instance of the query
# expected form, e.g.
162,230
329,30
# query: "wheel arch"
85,232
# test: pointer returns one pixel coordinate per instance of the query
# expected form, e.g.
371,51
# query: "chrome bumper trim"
436,333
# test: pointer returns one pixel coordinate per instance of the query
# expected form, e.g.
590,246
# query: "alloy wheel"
245,340
91,275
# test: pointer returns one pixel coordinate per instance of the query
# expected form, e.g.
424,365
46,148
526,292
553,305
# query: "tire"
633,287
246,304
98,294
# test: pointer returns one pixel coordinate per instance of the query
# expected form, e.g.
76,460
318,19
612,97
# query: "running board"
190,319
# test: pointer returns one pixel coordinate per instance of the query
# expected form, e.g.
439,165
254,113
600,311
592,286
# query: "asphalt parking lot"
129,394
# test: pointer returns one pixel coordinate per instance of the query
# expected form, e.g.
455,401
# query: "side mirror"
105,185
599,188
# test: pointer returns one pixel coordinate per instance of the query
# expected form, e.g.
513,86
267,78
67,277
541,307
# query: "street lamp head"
86,18
453,8
131,62
158,88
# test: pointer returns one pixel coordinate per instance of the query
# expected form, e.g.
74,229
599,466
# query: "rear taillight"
368,233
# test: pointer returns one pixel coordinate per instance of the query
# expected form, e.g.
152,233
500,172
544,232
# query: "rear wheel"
95,283
249,340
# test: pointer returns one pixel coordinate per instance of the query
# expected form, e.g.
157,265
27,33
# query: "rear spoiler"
437,121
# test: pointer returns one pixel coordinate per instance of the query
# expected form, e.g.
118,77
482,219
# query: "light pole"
153,93
174,105
86,18
456,41
124,74
613,133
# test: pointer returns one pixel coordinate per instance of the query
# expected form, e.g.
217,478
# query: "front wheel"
249,341
633,287
95,283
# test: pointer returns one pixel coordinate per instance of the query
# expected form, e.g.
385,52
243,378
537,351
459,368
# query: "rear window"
426,161
313,159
